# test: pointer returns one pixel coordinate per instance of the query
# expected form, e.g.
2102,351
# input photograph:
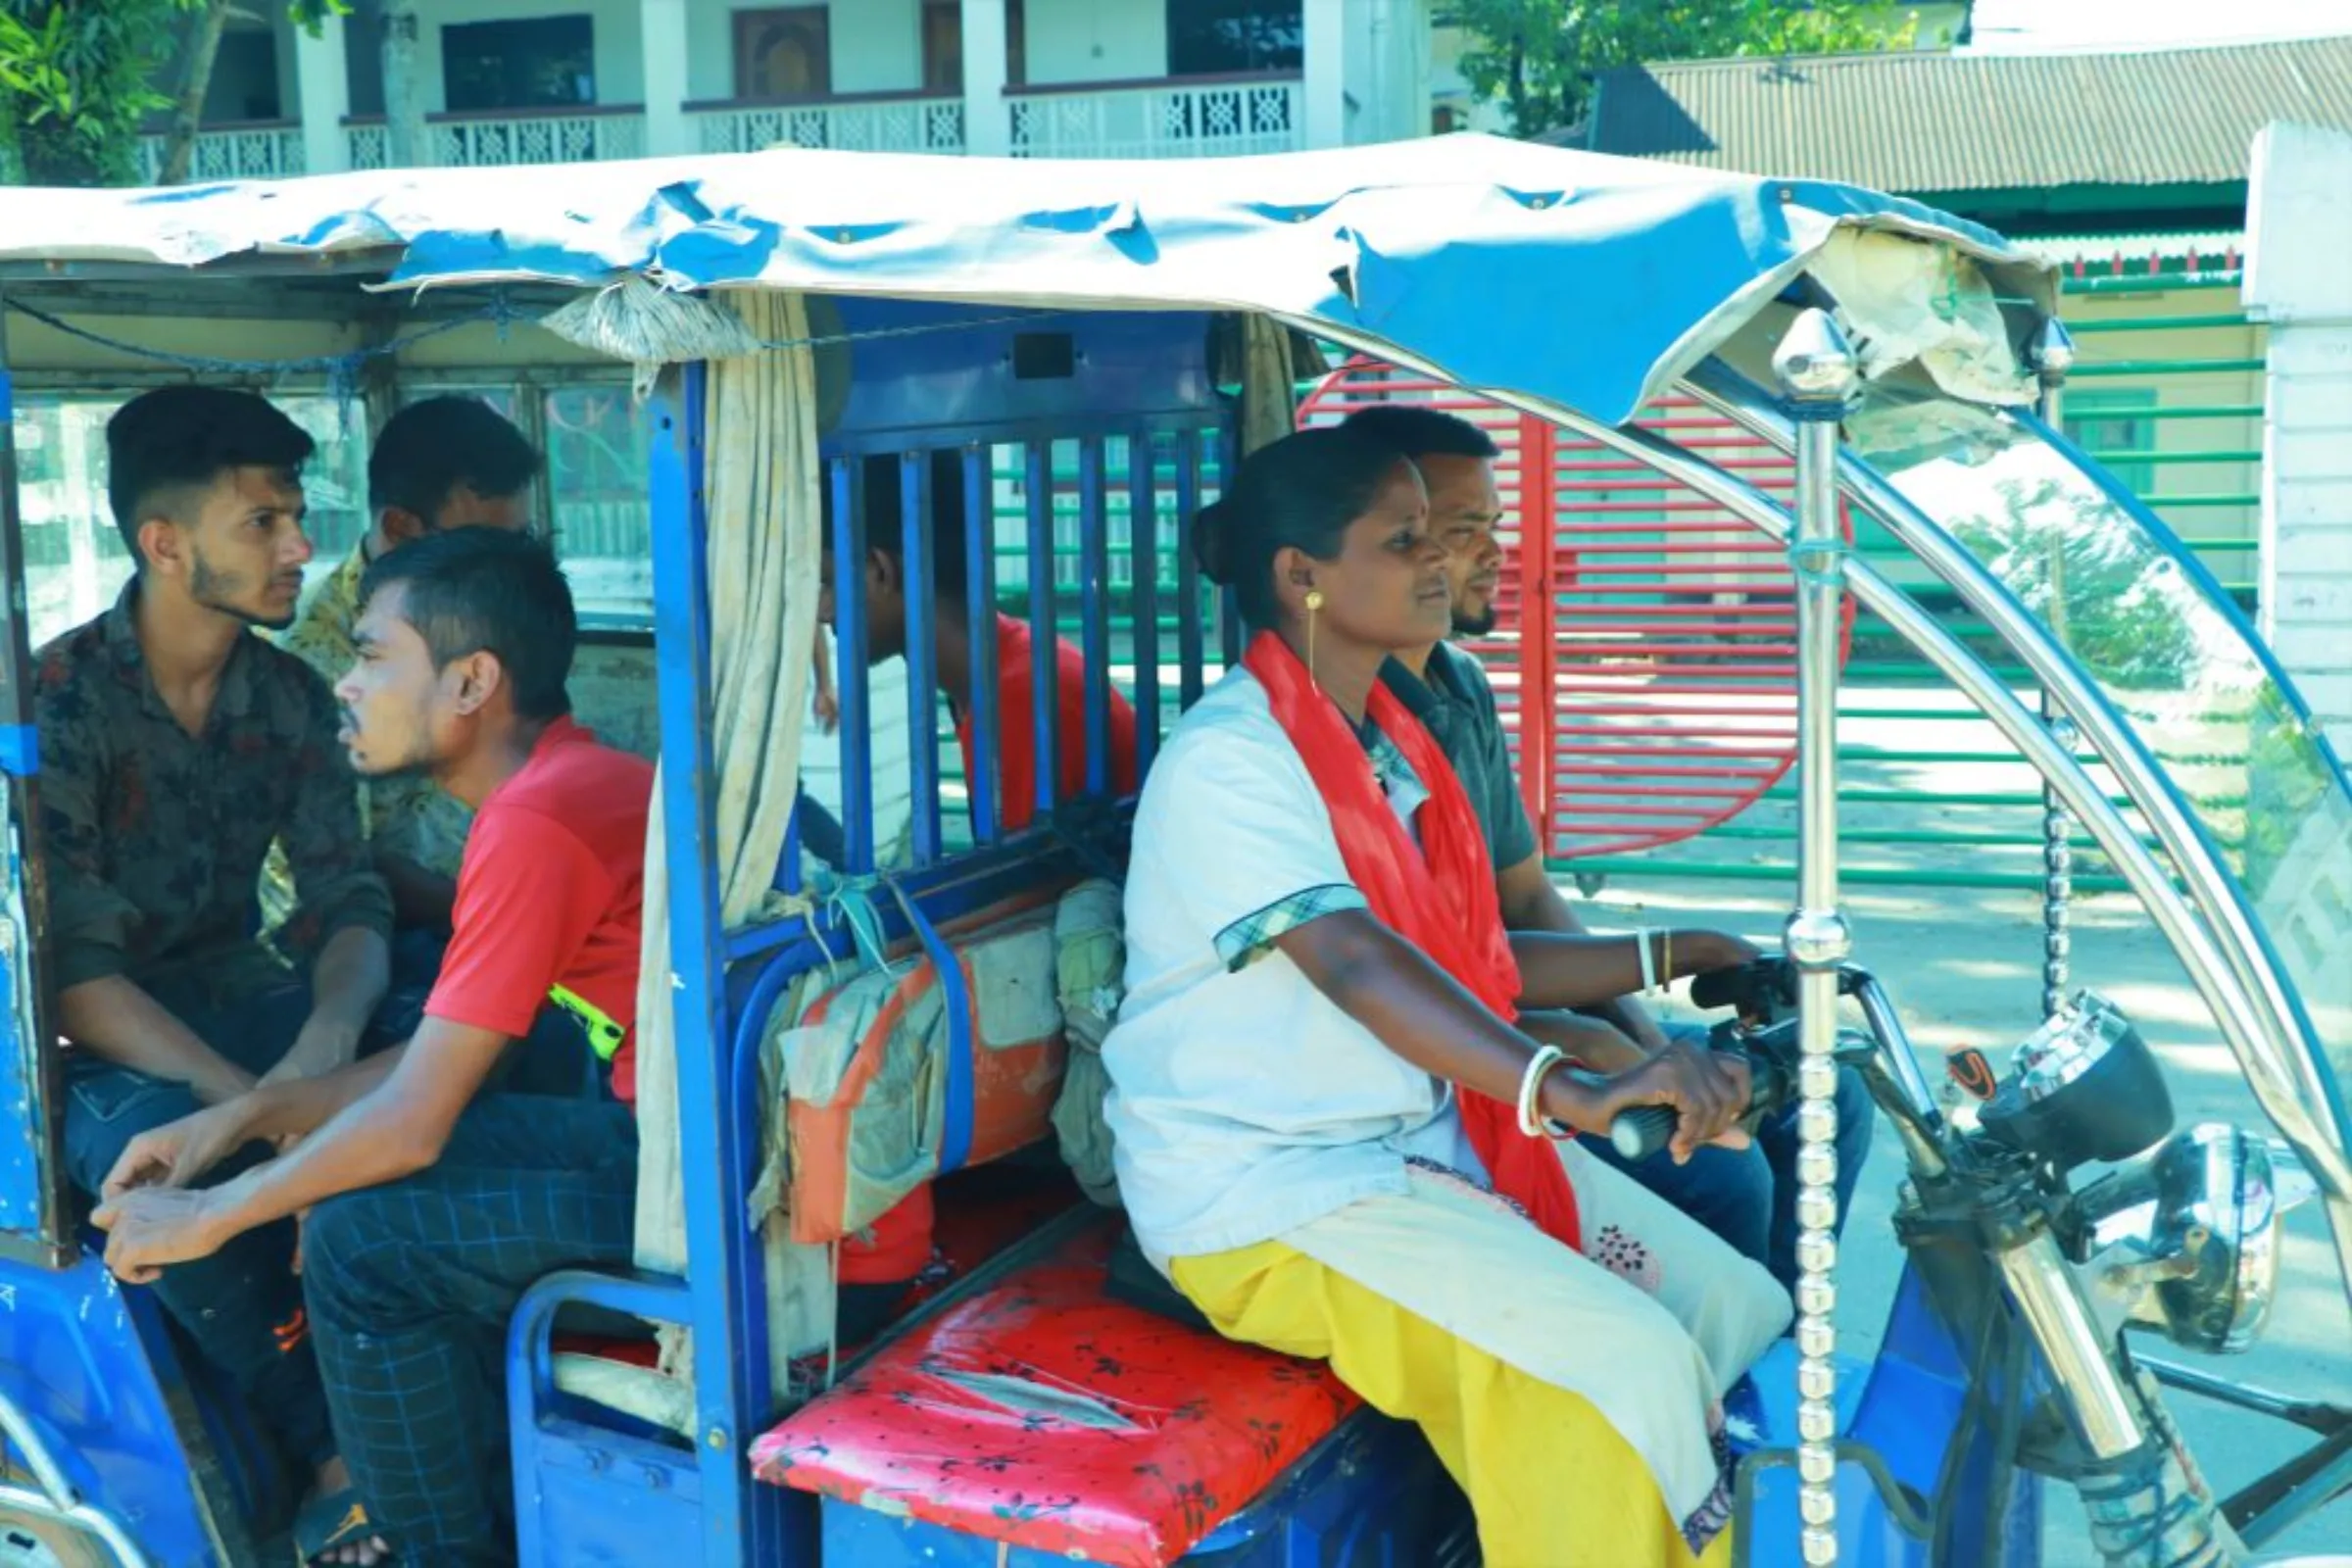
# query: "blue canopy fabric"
1582,279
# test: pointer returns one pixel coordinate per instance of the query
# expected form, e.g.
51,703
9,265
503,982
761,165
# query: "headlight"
2188,1238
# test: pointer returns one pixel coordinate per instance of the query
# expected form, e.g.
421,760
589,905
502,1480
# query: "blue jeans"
1749,1196
242,1306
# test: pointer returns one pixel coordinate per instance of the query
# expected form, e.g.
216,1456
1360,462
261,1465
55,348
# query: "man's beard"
1478,625
418,763
219,591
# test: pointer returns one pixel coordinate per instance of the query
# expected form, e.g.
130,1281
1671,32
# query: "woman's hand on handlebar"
1712,950
1707,1090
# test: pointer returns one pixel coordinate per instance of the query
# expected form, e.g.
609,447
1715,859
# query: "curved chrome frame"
2139,865
2265,1027
2098,1404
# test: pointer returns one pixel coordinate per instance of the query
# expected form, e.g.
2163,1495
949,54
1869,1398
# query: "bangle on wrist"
1649,974
1531,1090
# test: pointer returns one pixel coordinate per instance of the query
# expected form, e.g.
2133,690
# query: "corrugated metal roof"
1941,123
2210,248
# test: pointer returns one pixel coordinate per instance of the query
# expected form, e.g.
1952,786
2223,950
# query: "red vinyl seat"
1044,1414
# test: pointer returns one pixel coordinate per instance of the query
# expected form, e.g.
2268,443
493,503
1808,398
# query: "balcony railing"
263,150
480,140
881,122
1201,117
1187,118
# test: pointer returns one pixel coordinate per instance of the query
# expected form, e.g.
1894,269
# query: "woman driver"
1321,1107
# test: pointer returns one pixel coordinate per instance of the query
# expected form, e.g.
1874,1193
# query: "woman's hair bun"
1212,541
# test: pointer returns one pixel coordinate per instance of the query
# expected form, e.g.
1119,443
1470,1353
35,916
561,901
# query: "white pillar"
1411,31
2299,230
1326,74
322,86
664,45
986,112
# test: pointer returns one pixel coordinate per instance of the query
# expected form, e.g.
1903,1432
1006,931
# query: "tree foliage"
1540,56
78,80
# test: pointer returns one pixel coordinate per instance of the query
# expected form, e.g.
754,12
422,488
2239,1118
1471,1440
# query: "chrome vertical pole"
1815,369
2053,357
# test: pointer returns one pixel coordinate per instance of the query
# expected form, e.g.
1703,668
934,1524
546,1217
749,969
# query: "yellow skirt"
1550,1481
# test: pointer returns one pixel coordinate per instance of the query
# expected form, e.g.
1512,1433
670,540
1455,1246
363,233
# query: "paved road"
1964,967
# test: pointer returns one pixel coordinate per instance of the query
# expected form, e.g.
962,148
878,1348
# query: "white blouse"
1244,1102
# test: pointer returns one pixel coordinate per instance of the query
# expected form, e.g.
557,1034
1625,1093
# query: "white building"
508,82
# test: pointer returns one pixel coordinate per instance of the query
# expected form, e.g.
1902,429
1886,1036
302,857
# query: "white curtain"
761,477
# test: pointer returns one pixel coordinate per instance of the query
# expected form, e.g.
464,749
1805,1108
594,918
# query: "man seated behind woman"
1329,1134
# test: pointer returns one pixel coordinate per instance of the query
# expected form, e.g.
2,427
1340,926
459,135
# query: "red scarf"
1440,896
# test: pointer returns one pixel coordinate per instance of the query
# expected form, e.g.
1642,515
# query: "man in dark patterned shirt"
175,745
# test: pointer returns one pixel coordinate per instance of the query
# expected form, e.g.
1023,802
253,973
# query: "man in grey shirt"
1745,1195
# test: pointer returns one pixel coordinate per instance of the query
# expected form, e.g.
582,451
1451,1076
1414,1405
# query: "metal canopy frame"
2253,1001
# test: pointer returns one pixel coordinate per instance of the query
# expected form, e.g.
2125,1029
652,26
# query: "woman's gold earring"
1314,607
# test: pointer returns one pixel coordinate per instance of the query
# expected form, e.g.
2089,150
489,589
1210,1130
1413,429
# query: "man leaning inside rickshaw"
1329,1132
1745,1195
438,464
879,1263
432,1205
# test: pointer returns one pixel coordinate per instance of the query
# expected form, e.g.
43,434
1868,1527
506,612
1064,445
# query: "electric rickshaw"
1083,350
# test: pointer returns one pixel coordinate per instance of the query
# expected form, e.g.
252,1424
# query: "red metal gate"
1645,655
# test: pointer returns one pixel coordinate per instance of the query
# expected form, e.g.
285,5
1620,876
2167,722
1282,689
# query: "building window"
2112,426
598,464
364,61
785,53
244,84
1225,37
942,47
544,63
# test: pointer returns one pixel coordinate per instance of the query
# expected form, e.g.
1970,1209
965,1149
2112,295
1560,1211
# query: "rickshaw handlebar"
1643,1131
1760,991
1763,996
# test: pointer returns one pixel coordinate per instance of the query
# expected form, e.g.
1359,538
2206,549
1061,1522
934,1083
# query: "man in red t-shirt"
876,1265
432,1205
886,613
